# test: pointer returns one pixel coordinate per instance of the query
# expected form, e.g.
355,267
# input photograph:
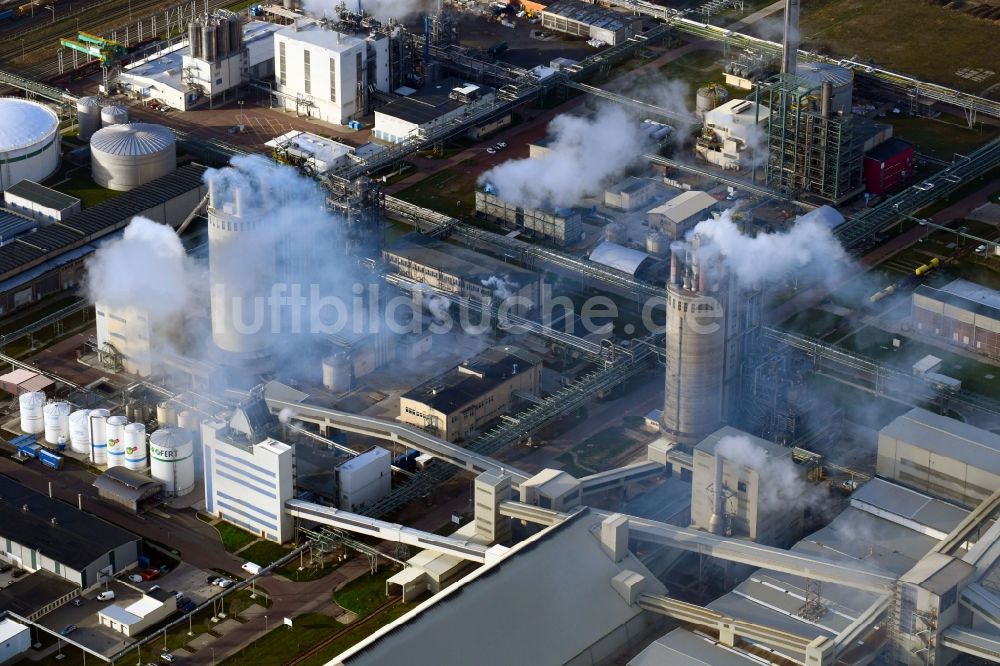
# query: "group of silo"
93,113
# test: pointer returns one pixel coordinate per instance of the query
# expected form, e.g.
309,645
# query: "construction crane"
105,50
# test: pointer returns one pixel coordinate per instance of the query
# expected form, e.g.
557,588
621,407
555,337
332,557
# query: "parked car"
154,588
68,629
223,582
189,606
149,574
502,144
107,595
134,578
17,573
211,580
178,595
77,601
167,657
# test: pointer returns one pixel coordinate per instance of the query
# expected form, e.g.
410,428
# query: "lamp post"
53,10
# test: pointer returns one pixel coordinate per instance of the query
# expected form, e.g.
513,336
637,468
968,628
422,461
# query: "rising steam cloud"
782,486
584,155
380,9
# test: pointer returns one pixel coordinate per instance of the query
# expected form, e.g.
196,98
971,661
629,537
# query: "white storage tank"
30,143
166,415
337,372
171,460
99,436
79,431
56,421
88,116
31,405
657,243
709,97
116,440
125,156
135,446
114,115
191,422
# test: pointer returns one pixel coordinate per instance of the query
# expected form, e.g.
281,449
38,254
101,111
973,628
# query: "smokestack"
717,523
676,260
825,98
50,489
790,40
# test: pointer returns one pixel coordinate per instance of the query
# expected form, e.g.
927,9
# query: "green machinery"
105,50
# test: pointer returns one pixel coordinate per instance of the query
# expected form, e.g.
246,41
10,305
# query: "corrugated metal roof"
133,139
41,195
815,73
685,205
23,123
13,224
947,438
618,256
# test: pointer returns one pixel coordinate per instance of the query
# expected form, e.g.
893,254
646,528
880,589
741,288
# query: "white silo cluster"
30,143
99,436
126,156
135,446
115,431
30,405
56,421
171,459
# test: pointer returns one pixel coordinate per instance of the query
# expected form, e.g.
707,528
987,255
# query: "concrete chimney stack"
790,40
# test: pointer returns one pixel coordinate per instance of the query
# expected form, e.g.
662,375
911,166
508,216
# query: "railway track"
319,647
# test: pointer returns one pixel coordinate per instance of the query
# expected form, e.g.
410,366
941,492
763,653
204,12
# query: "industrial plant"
451,332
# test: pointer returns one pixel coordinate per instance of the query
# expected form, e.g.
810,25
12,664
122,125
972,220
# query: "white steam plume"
584,155
286,415
383,10
502,287
782,486
672,95
807,249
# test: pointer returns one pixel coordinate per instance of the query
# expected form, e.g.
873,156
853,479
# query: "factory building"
51,259
127,334
132,490
730,497
677,217
581,19
734,135
40,203
563,226
619,257
30,142
314,154
940,456
461,401
428,108
249,475
364,479
887,166
131,620
960,313
15,639
630,194
461,271
39,533
325,74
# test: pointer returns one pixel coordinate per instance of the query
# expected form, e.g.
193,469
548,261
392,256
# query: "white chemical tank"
123,157
31,405
166,415
79,431
337,373
171,460
30,142
709,97
135,446
114,115
615,232
56,421
657,244
190,420
116,440
88,116
99,436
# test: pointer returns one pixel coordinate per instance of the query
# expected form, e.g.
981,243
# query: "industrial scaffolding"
811,150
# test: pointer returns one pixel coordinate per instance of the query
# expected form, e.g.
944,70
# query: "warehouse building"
132,490
131,620
19,381
887,166
40,203
430,107
51,259
459,402
37,594
961,313
249,475
581,19
678,216
630,194
461,271
41,533
940,456
562,226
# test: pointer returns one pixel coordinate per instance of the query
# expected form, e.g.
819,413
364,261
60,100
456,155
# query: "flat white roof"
144,606
116,613
973,292
366,458
310,32
685,205
305,144
947,438
618,256
9,629
914,508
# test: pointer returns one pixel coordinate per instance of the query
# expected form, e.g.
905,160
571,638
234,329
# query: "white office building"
324,74
248,475
364,479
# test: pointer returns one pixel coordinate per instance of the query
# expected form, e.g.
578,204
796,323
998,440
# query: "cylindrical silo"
116,440
126,156
208,42
222,36
166,415
194,39
135,446
657,243
841,80
337,373
31,404
615,232
708,97
114,115
79,431
88,116
190,421
56,417
30,142
99,436
171,460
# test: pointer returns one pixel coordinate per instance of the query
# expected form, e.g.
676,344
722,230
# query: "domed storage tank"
88,116
657,244
708,98
166,415
615,232
30,143
171,460
31,405
337,373
56,421
114,115
99,436
840,78
79,431
125,156
135,446
116,440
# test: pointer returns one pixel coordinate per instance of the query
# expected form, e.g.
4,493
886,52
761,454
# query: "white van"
251,568
106,596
